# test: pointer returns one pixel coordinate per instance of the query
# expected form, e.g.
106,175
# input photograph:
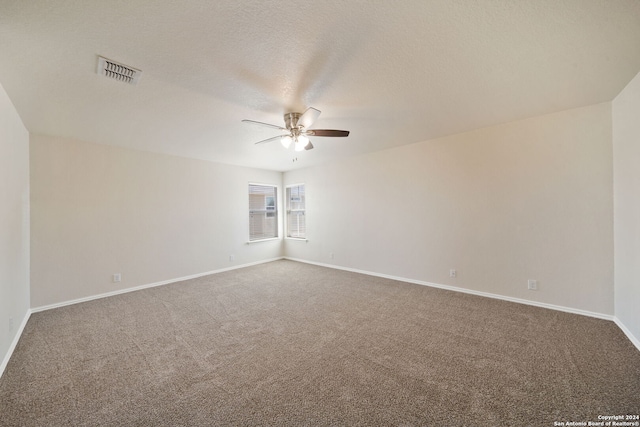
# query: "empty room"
320,213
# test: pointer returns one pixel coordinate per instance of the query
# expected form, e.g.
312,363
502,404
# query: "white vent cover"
115,70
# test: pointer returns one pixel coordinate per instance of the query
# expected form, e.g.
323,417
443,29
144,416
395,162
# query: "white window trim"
249,242
284,204
279,199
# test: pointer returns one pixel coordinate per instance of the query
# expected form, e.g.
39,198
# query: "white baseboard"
634,340
464,290
150,285
14,343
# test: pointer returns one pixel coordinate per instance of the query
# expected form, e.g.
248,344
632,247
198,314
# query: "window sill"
263,240
300,239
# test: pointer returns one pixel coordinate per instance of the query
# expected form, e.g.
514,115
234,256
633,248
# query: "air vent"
115,70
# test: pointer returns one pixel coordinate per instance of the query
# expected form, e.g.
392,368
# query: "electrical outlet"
532,285
331,255
232,258
452,273
117,277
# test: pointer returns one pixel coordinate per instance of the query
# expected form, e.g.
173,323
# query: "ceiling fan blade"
274,138
263,124
308,117
327,132
309,146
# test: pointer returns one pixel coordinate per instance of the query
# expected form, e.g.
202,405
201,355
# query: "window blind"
296,223
263,212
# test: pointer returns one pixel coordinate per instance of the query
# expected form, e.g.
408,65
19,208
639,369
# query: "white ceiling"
391,72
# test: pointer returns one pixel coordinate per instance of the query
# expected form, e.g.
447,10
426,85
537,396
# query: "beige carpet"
286,343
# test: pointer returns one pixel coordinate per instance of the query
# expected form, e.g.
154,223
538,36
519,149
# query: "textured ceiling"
391,72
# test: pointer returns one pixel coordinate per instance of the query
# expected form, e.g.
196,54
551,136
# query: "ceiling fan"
297,130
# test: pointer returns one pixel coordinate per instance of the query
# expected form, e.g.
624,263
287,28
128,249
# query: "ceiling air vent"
115,70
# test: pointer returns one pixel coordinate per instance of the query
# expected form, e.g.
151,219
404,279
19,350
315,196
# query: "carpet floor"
286,343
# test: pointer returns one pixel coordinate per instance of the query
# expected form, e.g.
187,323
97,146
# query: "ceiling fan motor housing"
291,120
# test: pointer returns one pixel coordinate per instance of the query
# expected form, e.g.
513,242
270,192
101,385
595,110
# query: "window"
263,212
296,224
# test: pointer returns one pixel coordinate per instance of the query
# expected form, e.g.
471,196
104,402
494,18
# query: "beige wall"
14,225
99,210
626,166
530,199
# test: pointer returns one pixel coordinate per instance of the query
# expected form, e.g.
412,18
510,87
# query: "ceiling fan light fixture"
286,141
301,142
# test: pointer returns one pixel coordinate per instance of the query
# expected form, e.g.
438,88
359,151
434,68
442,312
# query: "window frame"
269,211
287,211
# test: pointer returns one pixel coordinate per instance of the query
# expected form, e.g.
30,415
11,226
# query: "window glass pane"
263,212
296,218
